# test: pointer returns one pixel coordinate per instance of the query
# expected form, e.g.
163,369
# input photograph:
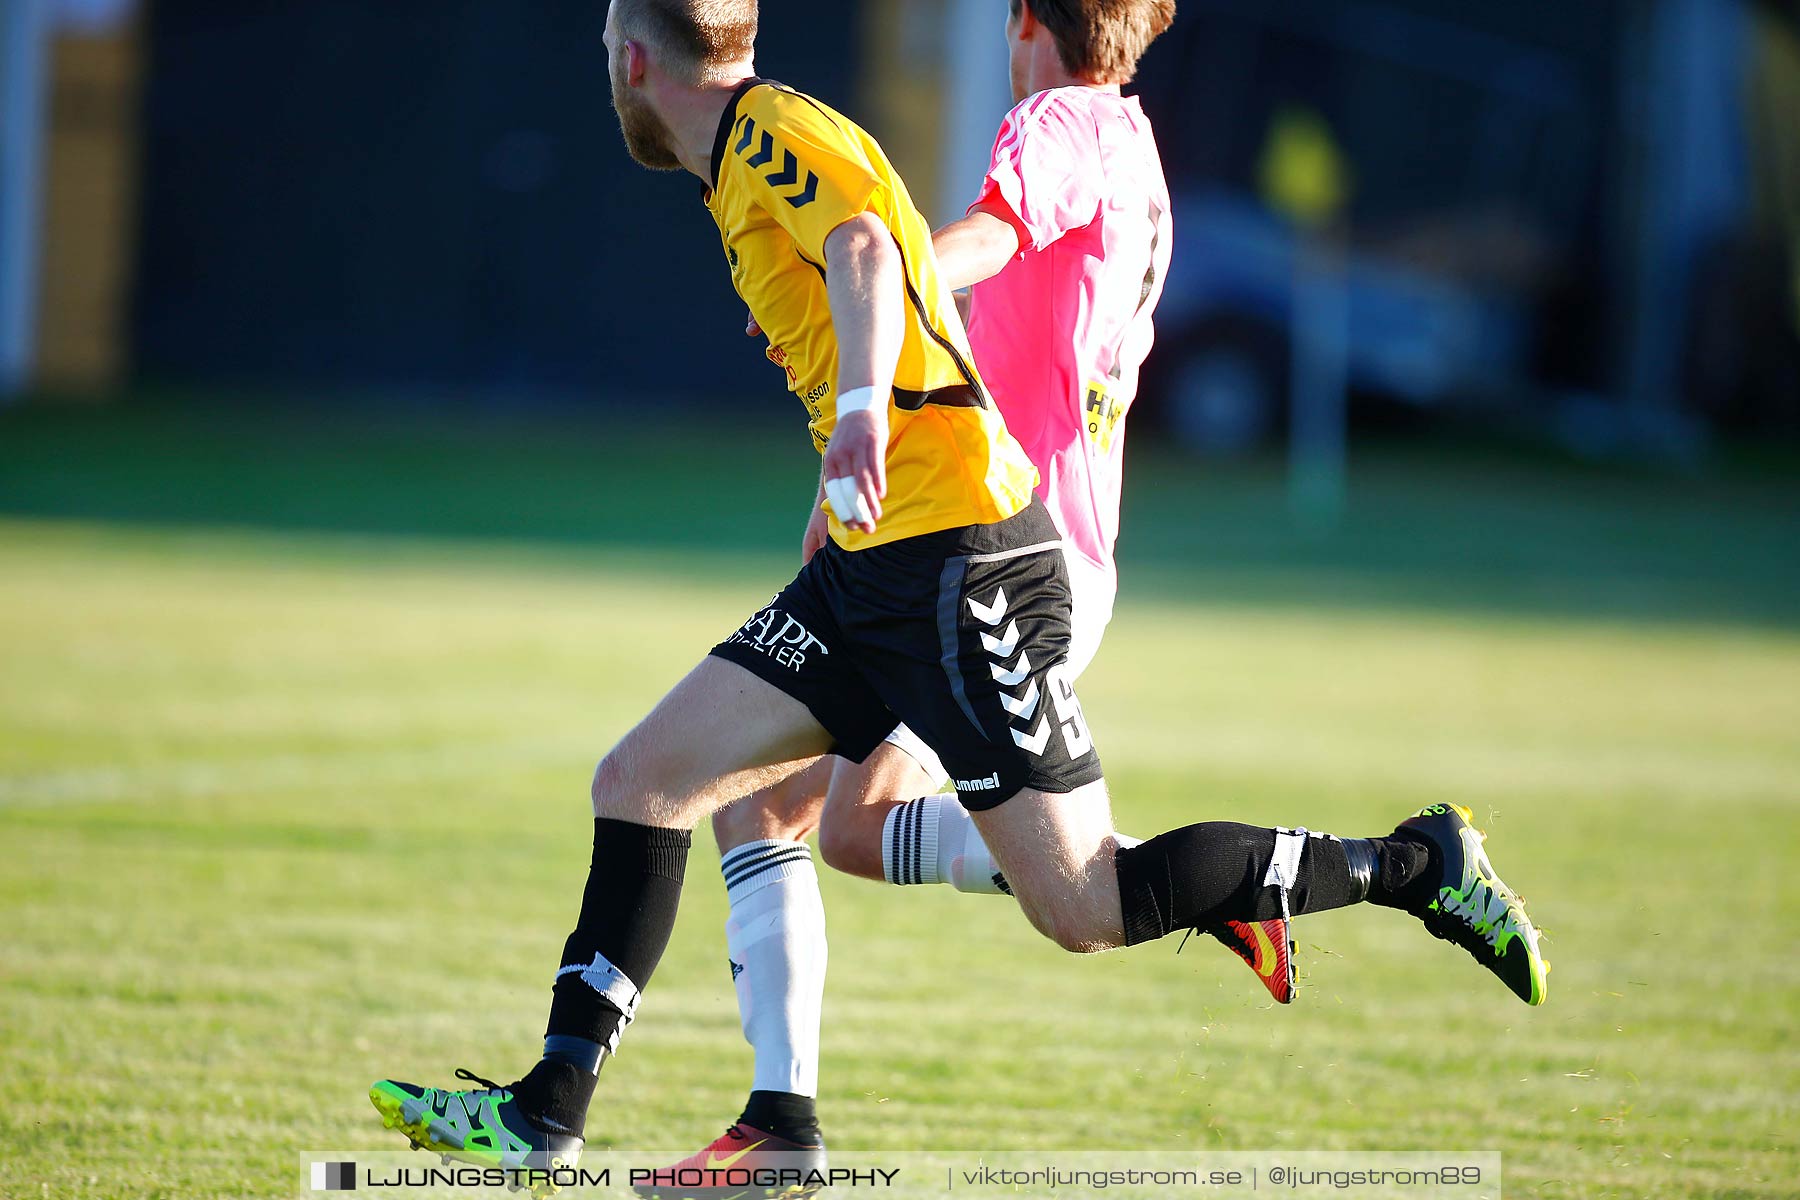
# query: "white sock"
775,935
933,840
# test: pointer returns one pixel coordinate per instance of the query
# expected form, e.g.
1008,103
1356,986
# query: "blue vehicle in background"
1413,336
1443,181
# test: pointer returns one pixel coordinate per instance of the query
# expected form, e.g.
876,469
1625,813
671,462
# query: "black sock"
1206,874
788,1115
627,914
1408,867
555,1095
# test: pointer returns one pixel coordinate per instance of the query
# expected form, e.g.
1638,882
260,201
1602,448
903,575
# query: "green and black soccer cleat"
1472,907
482,1125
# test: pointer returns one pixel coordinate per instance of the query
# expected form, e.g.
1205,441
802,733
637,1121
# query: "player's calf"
1058,852
1086,891
775,941
857,804
788,811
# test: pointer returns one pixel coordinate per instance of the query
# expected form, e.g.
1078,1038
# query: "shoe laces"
1225,937
472,1077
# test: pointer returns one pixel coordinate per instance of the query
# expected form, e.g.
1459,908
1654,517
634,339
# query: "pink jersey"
1060,334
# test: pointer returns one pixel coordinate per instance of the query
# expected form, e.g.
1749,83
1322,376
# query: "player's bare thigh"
1056,851
719,734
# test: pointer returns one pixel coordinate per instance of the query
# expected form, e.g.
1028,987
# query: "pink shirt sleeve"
1045,170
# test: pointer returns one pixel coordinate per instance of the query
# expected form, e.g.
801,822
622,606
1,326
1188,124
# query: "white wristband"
847,501
860,399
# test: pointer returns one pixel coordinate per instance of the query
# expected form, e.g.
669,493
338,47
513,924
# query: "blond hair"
695,37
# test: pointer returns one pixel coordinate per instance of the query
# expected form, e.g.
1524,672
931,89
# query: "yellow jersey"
787,171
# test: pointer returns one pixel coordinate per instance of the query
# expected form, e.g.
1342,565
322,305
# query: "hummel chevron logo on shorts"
1024,706
1014,677
990,614
1036,741
1002,647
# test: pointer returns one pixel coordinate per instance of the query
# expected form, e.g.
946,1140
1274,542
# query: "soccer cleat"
1266,948
482,1125
1472,907
744,1162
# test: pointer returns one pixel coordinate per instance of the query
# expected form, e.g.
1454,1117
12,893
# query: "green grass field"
297,718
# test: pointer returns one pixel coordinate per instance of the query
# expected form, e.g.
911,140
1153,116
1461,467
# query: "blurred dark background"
428,195
1576,223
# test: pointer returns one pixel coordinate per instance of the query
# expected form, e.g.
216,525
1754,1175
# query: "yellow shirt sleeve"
801,168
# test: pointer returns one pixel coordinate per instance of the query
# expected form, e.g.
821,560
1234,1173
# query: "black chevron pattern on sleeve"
789,172
808,194
764,155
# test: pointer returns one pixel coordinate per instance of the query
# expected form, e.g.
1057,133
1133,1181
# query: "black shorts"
962,634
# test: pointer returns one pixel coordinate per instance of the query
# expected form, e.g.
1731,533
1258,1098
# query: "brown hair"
1102,40
698,34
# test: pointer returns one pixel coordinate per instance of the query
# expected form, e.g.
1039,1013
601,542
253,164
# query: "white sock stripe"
909,840
738,854
902,848
915,867
913,819
736,864
931,812
780,873
890,843
768,874
769,862
766,863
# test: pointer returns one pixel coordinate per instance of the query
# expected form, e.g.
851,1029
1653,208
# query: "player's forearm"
865,283
974,249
